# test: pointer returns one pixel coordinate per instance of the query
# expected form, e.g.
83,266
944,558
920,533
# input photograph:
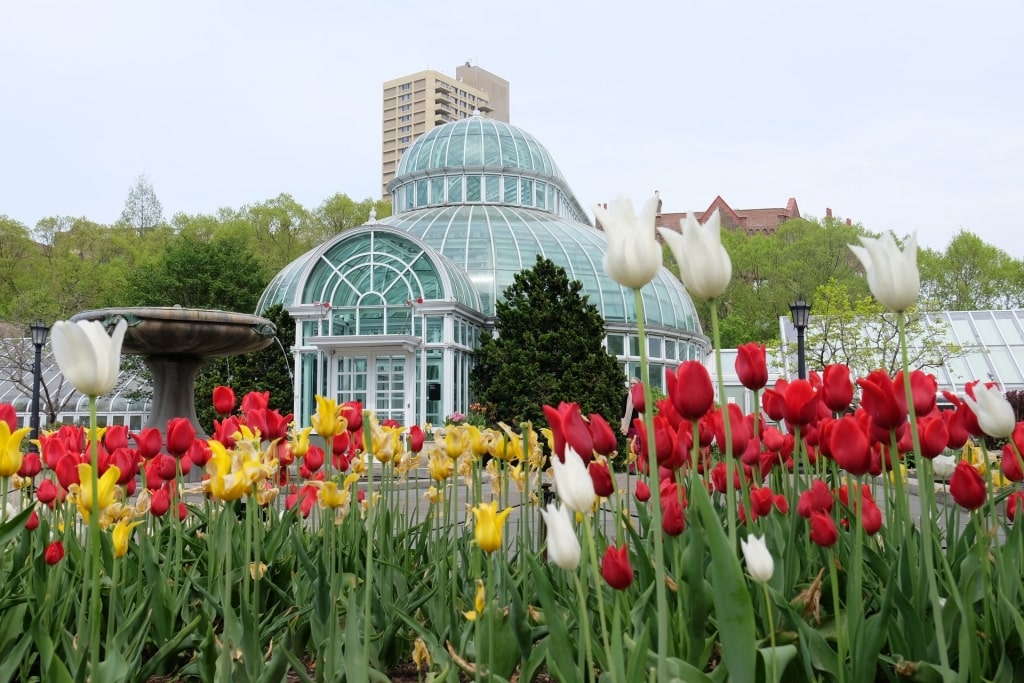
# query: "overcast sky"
902,116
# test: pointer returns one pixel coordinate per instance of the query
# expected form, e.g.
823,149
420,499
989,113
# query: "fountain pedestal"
175,342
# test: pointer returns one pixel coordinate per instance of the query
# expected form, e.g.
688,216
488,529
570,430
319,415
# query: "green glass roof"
474,143
493,243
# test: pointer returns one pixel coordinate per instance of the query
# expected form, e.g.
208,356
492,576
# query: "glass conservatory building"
389,313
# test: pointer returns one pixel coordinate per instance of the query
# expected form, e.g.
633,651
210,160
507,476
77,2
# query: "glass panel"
1007,371
492,152
493,188
615,344
987,331
634,345
527,195
421,193
654,347
474,151
472,188
456,151
435,329
670,349
541,195
437,190
962,328
352,371
511,190
454,189
1005,320
371,320
435,363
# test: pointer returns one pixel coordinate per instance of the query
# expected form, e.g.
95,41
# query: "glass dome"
478,142
493,243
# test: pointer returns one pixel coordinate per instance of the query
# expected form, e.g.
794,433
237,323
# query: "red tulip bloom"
967,486
603,437
31,465
773,401
160,503
53,450
9,415
1014,504
182,512
870,516
1010,464
762,499
602,478
636,395
691,390
54,553
276,425
836,387
643,491
967,416
46,492
739,434
849,446
180,435
933,435
615,567
149,442
673,519
923,389
352,411
416,438
114,437
67,470
314,458
568,427
752,366
823,529
772,438
880,401
200,453
224,400
255,400
32,523
800,403
818,498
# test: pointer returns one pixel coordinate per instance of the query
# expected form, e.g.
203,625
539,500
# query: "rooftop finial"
373,214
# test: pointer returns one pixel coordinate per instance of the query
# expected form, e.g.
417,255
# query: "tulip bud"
967,486
892,274
563,546
54,553
634,255
760,564
88,357
616,568
704,265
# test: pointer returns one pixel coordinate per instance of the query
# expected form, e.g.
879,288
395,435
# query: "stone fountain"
175,342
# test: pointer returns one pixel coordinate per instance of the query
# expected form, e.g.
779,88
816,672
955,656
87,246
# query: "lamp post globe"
800,310
40,331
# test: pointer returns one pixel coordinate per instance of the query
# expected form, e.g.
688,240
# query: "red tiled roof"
749,220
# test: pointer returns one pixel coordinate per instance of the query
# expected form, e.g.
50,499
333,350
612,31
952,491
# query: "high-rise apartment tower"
416,103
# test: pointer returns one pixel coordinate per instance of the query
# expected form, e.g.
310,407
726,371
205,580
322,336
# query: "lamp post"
40,331
800,312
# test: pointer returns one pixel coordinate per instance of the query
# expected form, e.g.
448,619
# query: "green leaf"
734,610
783,655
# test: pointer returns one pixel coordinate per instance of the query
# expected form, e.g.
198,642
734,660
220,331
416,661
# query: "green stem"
723,404
771,630
94,545
371,516
840,631
652,457
584,626
926,490
598,588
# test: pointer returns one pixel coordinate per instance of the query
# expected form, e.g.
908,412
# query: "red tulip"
773,401
636,395
602,435
933,435
643,491
46,492
967,486
738,436
180,435
255,400
126,460
224,400
31,465
691,390
1014,504
53,450
1010,464
956,429
149,442
823,529
880,400
923,389
568,427
182,512
849,446
673,521
762,499
277,425
166,466
752,366
836,387
160,503
352,411
615,567
224,431
818,498
54,553
200,453
67,470
314,458
114,437
664,441
9,415
967,416
416,438
870,516
602,478
800,403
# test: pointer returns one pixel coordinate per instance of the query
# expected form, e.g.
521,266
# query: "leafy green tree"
971,275
194,272
17,251
548,348
266,370
340,212
142,210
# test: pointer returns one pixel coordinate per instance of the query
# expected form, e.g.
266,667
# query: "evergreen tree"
548,348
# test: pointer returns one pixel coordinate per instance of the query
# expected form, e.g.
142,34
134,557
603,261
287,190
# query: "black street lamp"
800,311
40,331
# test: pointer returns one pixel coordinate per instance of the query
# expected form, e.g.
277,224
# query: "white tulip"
760,564
634,255
573,482
88,357
892,274
704,265
995,414
563,546
943,466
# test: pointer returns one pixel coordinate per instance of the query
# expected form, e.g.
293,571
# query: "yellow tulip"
433,494
489,525
107,486
122,532
440,466
330,497
300,442
479,602
327,420
10,448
